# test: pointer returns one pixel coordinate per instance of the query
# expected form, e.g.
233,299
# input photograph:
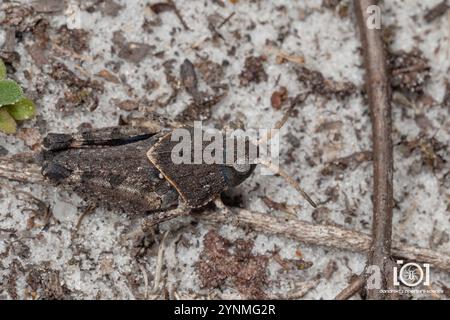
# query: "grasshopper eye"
242,167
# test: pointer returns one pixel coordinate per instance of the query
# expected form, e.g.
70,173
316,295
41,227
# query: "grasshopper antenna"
280,123
276,169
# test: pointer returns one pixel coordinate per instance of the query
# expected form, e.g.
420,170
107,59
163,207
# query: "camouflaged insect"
130,168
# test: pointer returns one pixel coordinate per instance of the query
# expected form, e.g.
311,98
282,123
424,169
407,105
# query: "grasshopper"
130,167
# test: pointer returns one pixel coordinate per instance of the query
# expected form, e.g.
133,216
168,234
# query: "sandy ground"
98,264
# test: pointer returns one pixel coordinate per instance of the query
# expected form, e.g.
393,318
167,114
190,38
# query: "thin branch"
301,289
352,288
436,11
324,235
160,262
145,276
225,21
378,89
21,168
178,14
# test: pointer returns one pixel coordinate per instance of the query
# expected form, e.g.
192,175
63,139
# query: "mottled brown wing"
119,177
197,184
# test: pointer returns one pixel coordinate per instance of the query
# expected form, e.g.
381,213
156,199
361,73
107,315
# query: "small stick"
145,276
436,11
378,89
21,168
71,53
226,20
178,14
301,289
326,235
296,59
88,210
159,265
448,33
352,288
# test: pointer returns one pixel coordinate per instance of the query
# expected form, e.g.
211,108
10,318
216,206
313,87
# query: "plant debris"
278,98
222,260
330,269
161,7
80,92
320,85
127,105
291,264
133,52
283,207
212,73
253,71
48,6
39,49
21,17
282,56
437,11
446,101
409,70
46,284
352,161
430,150
189,78
200,107
110,8
330,4
76,40
108,76
342,7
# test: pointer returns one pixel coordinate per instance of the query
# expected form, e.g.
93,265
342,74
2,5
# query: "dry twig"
325,235
20,168
378,89
160,263
436,11
145,276
353,287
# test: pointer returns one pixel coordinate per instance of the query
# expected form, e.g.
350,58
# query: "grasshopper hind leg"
154,219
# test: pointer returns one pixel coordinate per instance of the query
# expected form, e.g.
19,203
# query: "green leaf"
22,110
7,123
10,92
2,70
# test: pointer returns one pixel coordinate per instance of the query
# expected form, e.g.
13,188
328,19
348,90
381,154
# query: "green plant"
14,106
